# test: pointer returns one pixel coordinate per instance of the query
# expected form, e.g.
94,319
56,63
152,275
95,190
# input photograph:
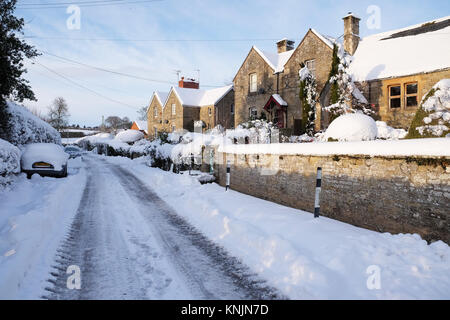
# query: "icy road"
129,244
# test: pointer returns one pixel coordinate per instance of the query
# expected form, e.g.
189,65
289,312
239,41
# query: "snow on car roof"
416,49
45,152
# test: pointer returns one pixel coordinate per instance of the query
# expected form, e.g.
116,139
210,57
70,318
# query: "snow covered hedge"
433,117
9,161
26,128
352,127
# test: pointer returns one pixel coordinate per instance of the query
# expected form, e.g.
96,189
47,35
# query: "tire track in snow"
166,255
216,272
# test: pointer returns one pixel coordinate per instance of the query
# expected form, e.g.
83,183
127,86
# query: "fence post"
191,163
318,189
228,176
211,161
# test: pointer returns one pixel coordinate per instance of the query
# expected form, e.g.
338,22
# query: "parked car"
45,159
73,151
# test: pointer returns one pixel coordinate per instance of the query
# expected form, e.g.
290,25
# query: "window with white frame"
311,65
253,82
174,109
155,112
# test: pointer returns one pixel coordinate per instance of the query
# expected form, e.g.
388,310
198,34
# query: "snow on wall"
27,128
439,147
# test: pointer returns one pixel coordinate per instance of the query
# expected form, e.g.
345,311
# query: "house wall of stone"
244,99
153,122
190,114
397,195
311,48
223,115
376,92
208,118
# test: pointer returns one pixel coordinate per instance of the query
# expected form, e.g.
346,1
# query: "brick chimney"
188,83
351,33
285,45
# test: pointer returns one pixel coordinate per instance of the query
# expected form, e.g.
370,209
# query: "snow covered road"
129,244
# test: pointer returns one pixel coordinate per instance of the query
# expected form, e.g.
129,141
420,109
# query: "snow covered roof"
326,39
161,96
276,61
416,49
141,124
279,99
198,97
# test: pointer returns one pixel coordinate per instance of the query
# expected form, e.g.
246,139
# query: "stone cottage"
268,83
186,105
395,69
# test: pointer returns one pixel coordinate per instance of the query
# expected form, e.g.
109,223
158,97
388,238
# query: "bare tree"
142,113
113,122
58,113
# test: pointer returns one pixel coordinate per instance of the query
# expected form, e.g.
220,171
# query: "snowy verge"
432,147
305,258
34,217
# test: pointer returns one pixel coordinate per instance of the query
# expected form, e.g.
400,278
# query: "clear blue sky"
218,61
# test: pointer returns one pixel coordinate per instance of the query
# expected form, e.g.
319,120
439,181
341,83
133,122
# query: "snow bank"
431,147
129,136
352,127
46,152
388,133
35,216
306,258
27,128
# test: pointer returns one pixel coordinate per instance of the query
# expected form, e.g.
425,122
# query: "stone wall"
396,195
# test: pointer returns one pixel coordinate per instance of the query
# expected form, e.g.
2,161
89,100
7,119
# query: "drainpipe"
278,81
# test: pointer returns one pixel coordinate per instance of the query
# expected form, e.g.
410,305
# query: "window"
173,128
311,65
232,109
156,132
155,112
209,112
174,109
411,94
395,97
253,82
253,113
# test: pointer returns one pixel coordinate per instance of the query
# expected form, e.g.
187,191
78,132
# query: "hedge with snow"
9,161
433,117
26,128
